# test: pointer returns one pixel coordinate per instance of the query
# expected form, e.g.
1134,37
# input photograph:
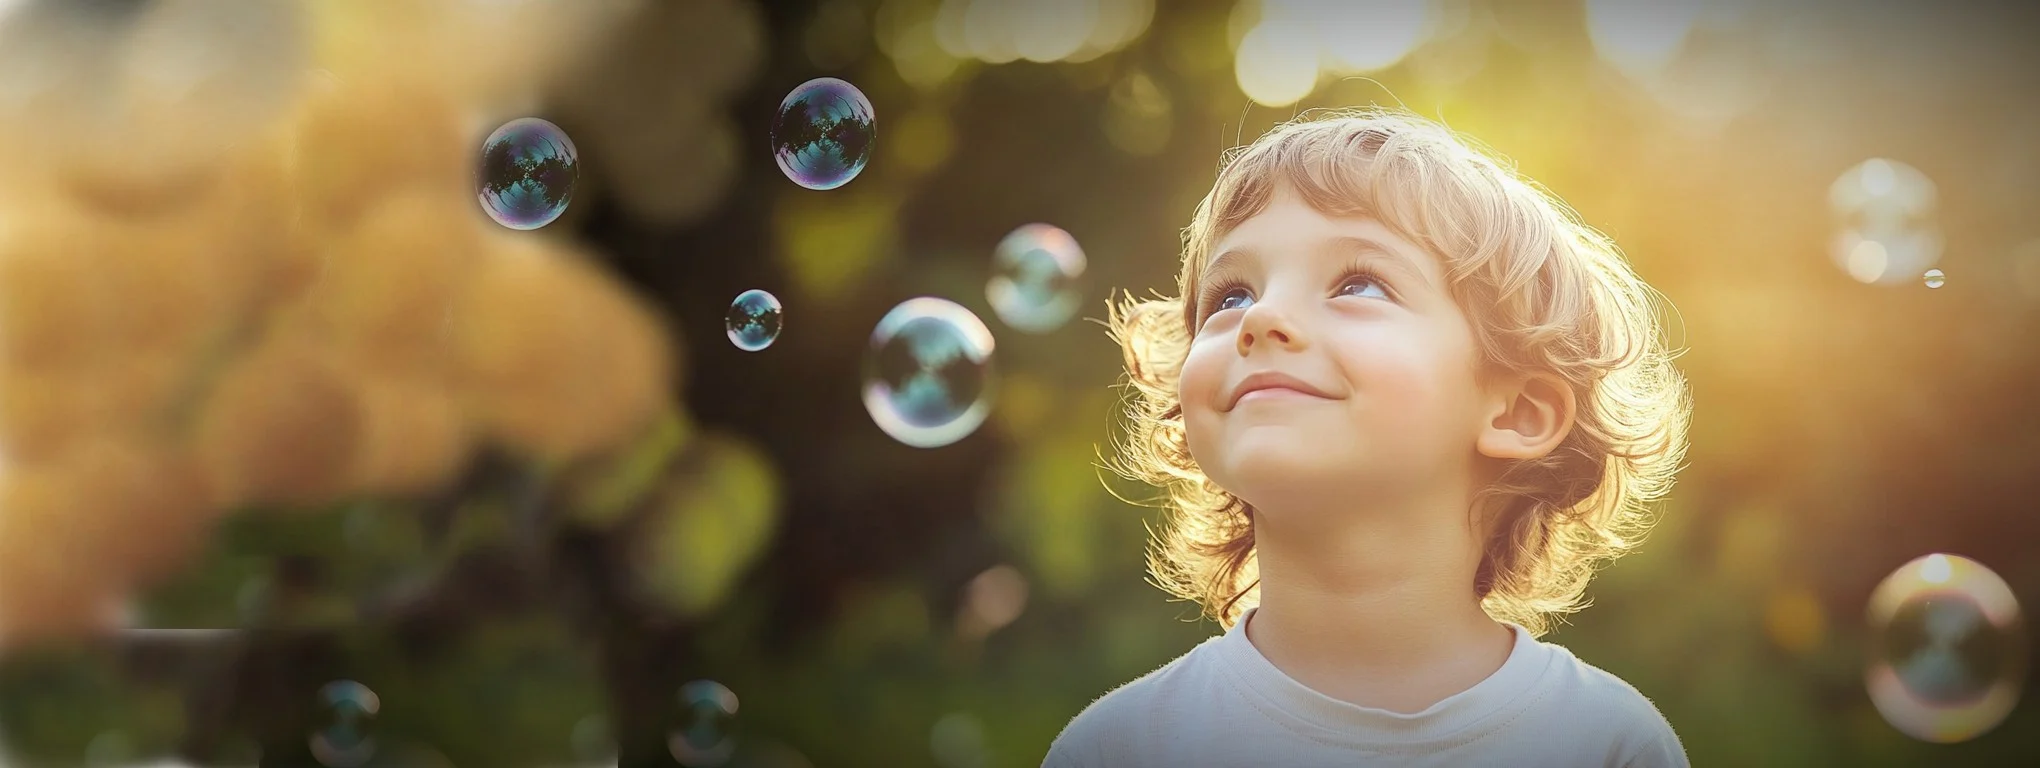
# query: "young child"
1403,407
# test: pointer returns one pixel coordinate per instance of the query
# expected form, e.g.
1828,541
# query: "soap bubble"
1034,274
708,736
1934,278
1947,649
527,173
346,740
823,133
753,321
927,374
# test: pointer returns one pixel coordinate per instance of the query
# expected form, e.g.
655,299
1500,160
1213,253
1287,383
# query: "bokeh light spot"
1885,215
992,600
1368,37
1277,64
1639,38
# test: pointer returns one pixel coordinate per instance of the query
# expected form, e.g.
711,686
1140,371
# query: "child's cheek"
1406,394
1203,371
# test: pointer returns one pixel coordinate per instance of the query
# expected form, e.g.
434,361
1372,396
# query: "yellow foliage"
281,427
81,529
414,438
386,293
553,357
55,310
359,142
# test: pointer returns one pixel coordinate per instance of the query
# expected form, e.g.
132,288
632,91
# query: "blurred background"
342,428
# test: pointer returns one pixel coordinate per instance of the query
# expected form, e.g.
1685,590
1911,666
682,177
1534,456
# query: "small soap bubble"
823,133
753,321
1947,649
927,373
527,173
346,739
1934,278
1034,275
707,735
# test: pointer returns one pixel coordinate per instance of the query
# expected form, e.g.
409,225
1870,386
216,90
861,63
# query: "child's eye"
1237,298
1362,286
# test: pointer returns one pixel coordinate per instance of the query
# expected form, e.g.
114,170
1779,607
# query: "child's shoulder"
1585,683
1588,694
1109,720
1140,695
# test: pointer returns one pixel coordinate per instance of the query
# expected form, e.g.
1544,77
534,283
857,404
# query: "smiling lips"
1272,384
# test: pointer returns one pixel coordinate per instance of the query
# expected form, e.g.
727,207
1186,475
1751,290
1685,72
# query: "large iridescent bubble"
527,173
927,375
1947,649
823,133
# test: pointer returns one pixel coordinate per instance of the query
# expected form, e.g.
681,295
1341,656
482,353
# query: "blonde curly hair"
1544,292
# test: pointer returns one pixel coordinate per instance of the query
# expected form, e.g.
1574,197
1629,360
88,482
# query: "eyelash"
1218,289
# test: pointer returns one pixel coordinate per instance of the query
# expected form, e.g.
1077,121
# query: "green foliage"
708,524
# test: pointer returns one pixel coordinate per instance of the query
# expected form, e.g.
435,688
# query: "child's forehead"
1288,226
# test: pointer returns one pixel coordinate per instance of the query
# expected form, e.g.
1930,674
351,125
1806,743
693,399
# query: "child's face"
1380,356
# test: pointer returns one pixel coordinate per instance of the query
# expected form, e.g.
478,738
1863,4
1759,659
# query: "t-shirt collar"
1459,716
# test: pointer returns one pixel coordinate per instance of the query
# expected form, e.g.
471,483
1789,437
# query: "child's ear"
1526,416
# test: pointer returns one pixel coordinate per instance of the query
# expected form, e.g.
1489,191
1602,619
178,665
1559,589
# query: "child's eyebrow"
1352,245
1225,260
1343,246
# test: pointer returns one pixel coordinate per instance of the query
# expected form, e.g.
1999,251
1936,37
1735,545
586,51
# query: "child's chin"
1289,469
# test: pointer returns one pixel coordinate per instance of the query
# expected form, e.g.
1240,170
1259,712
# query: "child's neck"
1378,610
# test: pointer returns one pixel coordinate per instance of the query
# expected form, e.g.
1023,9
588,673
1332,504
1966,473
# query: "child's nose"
1266,325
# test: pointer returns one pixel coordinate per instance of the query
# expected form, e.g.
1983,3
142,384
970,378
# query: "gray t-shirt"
1224,704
